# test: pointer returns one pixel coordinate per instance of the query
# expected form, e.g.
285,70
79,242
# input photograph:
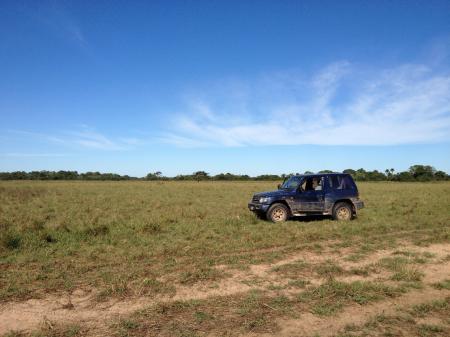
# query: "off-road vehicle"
332,194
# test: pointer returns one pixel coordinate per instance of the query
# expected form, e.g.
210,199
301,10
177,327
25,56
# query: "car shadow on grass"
310,218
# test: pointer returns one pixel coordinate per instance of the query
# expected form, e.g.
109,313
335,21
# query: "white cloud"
27,155
94,140
85,138
340,105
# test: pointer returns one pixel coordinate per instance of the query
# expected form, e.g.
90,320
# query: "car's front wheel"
277,213
342,212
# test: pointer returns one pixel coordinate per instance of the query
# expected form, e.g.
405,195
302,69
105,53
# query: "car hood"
274,194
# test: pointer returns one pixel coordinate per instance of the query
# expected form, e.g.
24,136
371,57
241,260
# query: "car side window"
340,182
318,183
312,184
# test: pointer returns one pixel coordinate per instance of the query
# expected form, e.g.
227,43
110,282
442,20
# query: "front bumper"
358,204
258,208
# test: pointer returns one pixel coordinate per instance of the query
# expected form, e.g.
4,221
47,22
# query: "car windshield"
291,183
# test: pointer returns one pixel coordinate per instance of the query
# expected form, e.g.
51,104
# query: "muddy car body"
334,194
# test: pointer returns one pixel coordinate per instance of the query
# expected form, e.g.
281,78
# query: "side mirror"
279,186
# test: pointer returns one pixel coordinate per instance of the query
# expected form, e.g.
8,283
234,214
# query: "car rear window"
341,182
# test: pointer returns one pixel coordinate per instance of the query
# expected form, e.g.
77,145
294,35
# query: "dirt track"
81,306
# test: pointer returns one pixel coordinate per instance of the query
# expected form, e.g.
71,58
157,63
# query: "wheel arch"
346,200
284,202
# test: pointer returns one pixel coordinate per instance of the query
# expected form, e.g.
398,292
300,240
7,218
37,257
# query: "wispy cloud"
82,138
94,140
342,104
56,16
28,155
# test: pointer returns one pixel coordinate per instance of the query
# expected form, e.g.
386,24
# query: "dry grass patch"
330,297
428,319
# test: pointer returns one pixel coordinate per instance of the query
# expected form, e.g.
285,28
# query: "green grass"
330,297
399,265
409,321
71,330
254,311
127,239
114,235
424,309
442,285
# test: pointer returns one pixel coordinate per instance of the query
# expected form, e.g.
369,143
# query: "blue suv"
332,194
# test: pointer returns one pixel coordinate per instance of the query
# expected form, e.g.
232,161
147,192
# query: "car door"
310,198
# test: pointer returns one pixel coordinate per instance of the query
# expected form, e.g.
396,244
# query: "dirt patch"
308,324
82,308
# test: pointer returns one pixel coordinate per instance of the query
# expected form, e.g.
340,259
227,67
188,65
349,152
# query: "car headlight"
264,200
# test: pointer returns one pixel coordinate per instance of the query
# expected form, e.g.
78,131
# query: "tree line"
415,173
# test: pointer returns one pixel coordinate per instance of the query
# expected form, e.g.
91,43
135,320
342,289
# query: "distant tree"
200,175
349,171
326,171
154,176
270,177
415,173
422,172
403,176
441,175
361,175
389,173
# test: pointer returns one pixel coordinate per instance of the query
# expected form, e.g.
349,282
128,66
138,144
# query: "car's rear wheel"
342,212
277,213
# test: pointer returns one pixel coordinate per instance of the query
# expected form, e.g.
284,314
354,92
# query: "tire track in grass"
82,308
308,324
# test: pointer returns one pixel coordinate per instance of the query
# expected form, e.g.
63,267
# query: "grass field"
189,259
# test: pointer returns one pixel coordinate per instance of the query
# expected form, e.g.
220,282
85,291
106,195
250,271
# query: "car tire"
278,213
261,216
342,211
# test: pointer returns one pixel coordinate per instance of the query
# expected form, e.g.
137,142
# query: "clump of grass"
405,323
364,271
201,316
394,263
442,285
49,238
429,329
414,257
292,270
250,308
399,265
328,298
407,275
96,230
11,240
153,286
255,307
297,283
115,287
423,309
58,330
254,311
201,274
275,287
126,327
152,228
329,269
14,334
355,257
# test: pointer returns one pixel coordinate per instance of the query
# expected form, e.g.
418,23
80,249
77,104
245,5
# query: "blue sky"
246,87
